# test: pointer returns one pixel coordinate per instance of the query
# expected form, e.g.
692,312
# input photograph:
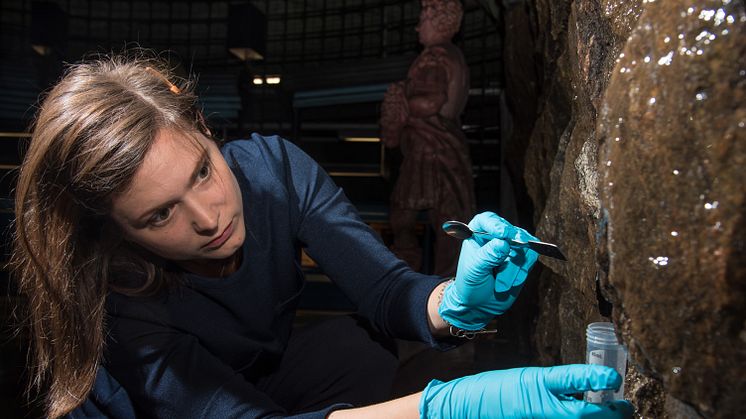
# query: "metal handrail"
15,135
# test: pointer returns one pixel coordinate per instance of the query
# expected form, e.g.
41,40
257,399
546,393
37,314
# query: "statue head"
440,20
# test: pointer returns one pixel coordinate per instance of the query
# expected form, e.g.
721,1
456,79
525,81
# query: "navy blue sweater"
194,351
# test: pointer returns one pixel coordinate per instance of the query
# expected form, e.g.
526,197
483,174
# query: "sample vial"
604,349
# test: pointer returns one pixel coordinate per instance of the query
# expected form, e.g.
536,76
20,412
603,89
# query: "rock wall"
629,139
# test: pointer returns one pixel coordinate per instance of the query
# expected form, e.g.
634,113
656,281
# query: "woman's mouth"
222,238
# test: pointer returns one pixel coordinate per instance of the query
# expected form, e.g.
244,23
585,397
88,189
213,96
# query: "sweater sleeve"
167,373
384,289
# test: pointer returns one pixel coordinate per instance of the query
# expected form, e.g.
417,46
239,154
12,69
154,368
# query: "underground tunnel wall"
628,138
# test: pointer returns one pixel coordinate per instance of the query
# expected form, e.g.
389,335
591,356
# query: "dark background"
334,58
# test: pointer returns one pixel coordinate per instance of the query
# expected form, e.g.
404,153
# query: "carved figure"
421,115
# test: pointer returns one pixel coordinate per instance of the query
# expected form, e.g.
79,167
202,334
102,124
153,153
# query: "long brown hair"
91,134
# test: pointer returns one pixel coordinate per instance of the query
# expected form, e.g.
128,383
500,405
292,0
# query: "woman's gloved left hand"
490,273
525,393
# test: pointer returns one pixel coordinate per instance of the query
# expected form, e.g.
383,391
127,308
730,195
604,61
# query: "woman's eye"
204,172
161,215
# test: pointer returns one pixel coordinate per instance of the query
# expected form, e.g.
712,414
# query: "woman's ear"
111,232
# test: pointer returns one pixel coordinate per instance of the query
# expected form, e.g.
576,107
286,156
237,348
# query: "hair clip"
172,87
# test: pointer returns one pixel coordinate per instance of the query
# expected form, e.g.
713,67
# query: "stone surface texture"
629,137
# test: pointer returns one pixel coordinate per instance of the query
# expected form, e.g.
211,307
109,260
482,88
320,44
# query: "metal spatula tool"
462,231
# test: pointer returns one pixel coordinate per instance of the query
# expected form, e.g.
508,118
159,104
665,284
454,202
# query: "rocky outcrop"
629,134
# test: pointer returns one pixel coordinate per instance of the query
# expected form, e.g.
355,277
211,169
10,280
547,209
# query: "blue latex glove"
490,273
525,393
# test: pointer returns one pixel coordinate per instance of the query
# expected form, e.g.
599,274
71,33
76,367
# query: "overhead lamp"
48,29
247,32
42,50
362,139
274,79
258,80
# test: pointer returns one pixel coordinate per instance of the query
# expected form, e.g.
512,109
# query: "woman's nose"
204,217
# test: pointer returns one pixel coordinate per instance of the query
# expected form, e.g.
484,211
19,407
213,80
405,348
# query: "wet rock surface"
631,142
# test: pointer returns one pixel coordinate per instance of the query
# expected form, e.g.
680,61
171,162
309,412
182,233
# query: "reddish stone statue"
421,115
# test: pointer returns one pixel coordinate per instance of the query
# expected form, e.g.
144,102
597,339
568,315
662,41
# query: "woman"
153,259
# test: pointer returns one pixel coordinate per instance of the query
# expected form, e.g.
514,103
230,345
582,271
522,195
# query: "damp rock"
696,296
675,281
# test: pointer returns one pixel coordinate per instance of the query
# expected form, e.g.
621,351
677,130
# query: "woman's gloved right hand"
525,393
490,273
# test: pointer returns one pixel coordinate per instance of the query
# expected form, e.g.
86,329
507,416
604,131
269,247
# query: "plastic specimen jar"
604,349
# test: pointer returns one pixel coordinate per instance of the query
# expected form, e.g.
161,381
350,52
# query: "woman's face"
184,204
